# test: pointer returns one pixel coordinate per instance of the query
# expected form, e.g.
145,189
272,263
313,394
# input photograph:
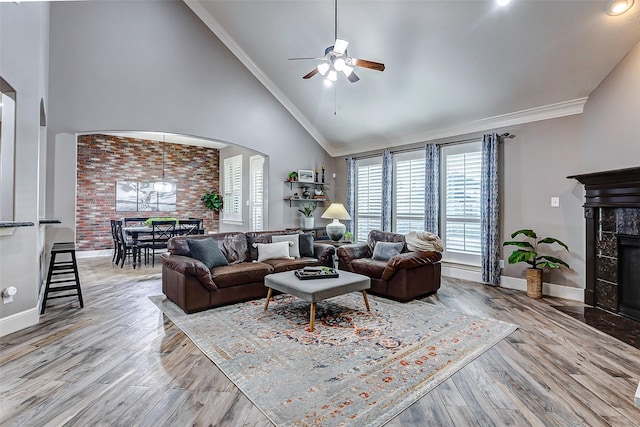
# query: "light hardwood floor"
119,361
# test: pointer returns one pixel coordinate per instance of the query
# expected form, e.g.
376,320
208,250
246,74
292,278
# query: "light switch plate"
555,202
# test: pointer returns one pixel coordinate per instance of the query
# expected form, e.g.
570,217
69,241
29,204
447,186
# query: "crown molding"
217,29
546,112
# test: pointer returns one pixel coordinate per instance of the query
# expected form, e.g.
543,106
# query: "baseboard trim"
18,321
93,254
548,289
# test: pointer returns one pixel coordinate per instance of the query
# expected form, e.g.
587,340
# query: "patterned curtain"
351,192
489,211
432,188
387,188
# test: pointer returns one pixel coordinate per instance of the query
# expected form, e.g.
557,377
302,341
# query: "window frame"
231,212
256,163
449,255
408,156
361,163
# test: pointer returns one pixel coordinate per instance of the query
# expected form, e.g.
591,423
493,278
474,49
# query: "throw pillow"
306,244
272,251
384,251
294,250
208,252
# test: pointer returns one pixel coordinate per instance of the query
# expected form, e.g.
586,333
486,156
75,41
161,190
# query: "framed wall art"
305,175
144,197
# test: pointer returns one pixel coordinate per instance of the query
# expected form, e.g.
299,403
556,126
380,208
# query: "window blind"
409,181
233,188
462,175
368,198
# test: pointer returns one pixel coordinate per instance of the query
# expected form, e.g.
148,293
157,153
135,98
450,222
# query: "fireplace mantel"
615,189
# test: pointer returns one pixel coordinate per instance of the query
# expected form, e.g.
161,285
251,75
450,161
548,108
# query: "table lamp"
335,229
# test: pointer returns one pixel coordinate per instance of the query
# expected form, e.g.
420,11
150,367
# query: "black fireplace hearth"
629,276
612,214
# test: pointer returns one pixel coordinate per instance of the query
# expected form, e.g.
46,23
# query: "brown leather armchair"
403,277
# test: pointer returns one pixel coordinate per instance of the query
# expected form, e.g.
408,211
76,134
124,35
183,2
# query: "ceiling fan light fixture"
339,64
340,46
347,70
332,75
323,68
618,7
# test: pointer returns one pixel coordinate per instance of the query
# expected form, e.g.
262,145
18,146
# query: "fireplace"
629,276
612,214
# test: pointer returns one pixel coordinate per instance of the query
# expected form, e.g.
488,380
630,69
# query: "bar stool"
62,267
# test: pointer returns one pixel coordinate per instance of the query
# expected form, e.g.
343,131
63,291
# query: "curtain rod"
405,150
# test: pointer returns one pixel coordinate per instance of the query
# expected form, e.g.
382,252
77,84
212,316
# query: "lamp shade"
336,211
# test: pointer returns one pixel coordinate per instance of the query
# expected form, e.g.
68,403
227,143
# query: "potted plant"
212,201
293,176
347,236
528,252
308,219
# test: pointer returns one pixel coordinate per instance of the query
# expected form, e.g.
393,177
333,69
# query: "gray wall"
155,66
535,164
612,118
24,32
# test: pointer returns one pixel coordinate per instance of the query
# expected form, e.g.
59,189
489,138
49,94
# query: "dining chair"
115,241
201,224
131,221
188,227
162,231
125,244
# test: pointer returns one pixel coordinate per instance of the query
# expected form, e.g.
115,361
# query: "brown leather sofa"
193,287
403,277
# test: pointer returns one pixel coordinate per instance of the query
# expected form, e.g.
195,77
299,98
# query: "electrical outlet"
555,202
7,294
501,263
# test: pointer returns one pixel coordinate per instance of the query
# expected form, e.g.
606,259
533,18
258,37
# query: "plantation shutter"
462,201
368,197
409,179
256,167
233,188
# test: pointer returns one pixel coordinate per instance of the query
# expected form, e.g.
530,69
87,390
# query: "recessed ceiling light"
503,2
618,7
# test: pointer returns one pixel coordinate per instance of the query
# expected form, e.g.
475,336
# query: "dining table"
136,231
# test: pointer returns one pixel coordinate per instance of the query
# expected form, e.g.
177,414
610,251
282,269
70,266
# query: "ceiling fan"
336,60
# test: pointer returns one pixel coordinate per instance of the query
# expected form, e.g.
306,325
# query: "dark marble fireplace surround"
612,213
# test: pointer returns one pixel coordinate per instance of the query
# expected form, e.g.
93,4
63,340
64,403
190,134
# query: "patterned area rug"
357,368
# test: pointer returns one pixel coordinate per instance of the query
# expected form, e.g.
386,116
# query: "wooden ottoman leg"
312,316
266,304
366,300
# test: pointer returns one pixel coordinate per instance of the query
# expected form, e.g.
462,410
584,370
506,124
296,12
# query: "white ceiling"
452,67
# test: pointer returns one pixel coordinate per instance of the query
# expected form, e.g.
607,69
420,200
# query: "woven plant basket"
534,283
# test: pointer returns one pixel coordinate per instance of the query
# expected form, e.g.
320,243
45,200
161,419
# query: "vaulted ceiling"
452,67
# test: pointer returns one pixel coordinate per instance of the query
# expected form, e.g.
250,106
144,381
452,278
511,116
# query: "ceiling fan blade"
351,76
340,46
367,64
311,73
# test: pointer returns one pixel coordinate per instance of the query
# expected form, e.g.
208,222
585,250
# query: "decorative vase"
308,222
305,193
534,283
336,230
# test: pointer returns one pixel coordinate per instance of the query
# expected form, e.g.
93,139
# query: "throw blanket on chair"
423,241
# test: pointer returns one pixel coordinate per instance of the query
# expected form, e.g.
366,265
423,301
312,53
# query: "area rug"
357,368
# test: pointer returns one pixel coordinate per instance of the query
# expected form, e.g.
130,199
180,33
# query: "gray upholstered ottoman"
317,289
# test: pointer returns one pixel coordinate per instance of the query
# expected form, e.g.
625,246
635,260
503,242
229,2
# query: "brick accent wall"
102,160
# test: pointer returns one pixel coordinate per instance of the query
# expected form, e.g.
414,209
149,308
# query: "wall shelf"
301,184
